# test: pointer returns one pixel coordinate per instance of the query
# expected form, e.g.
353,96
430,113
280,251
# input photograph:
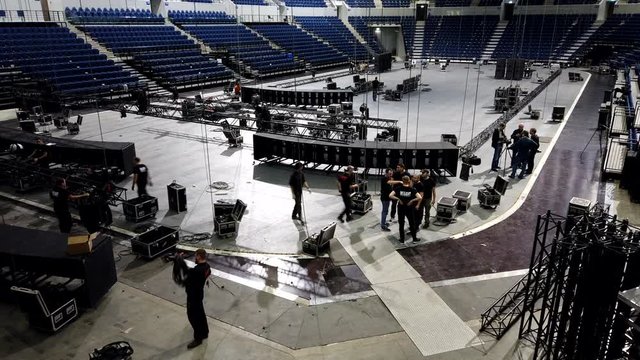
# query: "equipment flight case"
489,196
155,241
227,223
140,208
177,195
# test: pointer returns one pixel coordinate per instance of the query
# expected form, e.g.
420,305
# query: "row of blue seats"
32,30
89,86
249,2
112,15
189,17
457,37
133,30
305,3
361,3
395,3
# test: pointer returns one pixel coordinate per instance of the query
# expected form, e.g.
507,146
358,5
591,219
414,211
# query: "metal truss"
510,307
569,303
75,175
290,121
474,144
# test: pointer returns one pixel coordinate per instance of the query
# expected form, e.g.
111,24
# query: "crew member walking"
400,172
374,88
521,151
408,199
296,182
141,177
385,190
194,287
345,185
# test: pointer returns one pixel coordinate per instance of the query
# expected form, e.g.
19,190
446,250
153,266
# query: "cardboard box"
80,244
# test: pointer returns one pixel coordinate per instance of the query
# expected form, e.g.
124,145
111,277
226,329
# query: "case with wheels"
140,208
155,241
227,225
177,195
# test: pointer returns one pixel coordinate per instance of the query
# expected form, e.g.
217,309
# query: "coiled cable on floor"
193,238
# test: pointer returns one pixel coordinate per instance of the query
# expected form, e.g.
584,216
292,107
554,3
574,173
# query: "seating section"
301,44
305,3
395,3
247,47
204,17
161,52
365,26
540,37
361,3
332,29
67,63
457,37
618,29
112,16
452,3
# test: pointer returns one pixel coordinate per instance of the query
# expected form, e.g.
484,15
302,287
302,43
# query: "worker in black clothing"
345,185
416,182
498,139
296,182
428,197
408,202
61,196
533,133
40,156
400,172
194,286
374,87
140,177
385,190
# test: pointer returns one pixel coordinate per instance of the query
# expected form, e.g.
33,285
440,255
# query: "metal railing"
31,16
474,144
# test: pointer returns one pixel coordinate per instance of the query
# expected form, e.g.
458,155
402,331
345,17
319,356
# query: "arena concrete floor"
247,322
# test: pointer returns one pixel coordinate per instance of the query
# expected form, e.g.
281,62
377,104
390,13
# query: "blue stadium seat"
332,30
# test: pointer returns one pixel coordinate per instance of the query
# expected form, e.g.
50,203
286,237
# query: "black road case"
140,208
177,197
154,241
227,225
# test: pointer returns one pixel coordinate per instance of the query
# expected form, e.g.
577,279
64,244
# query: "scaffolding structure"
567,303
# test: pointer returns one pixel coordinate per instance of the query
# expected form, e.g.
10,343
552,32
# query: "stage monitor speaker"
558,113
500,68
464,172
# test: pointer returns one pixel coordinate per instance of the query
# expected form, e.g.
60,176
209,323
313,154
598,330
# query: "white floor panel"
430,323
377,258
